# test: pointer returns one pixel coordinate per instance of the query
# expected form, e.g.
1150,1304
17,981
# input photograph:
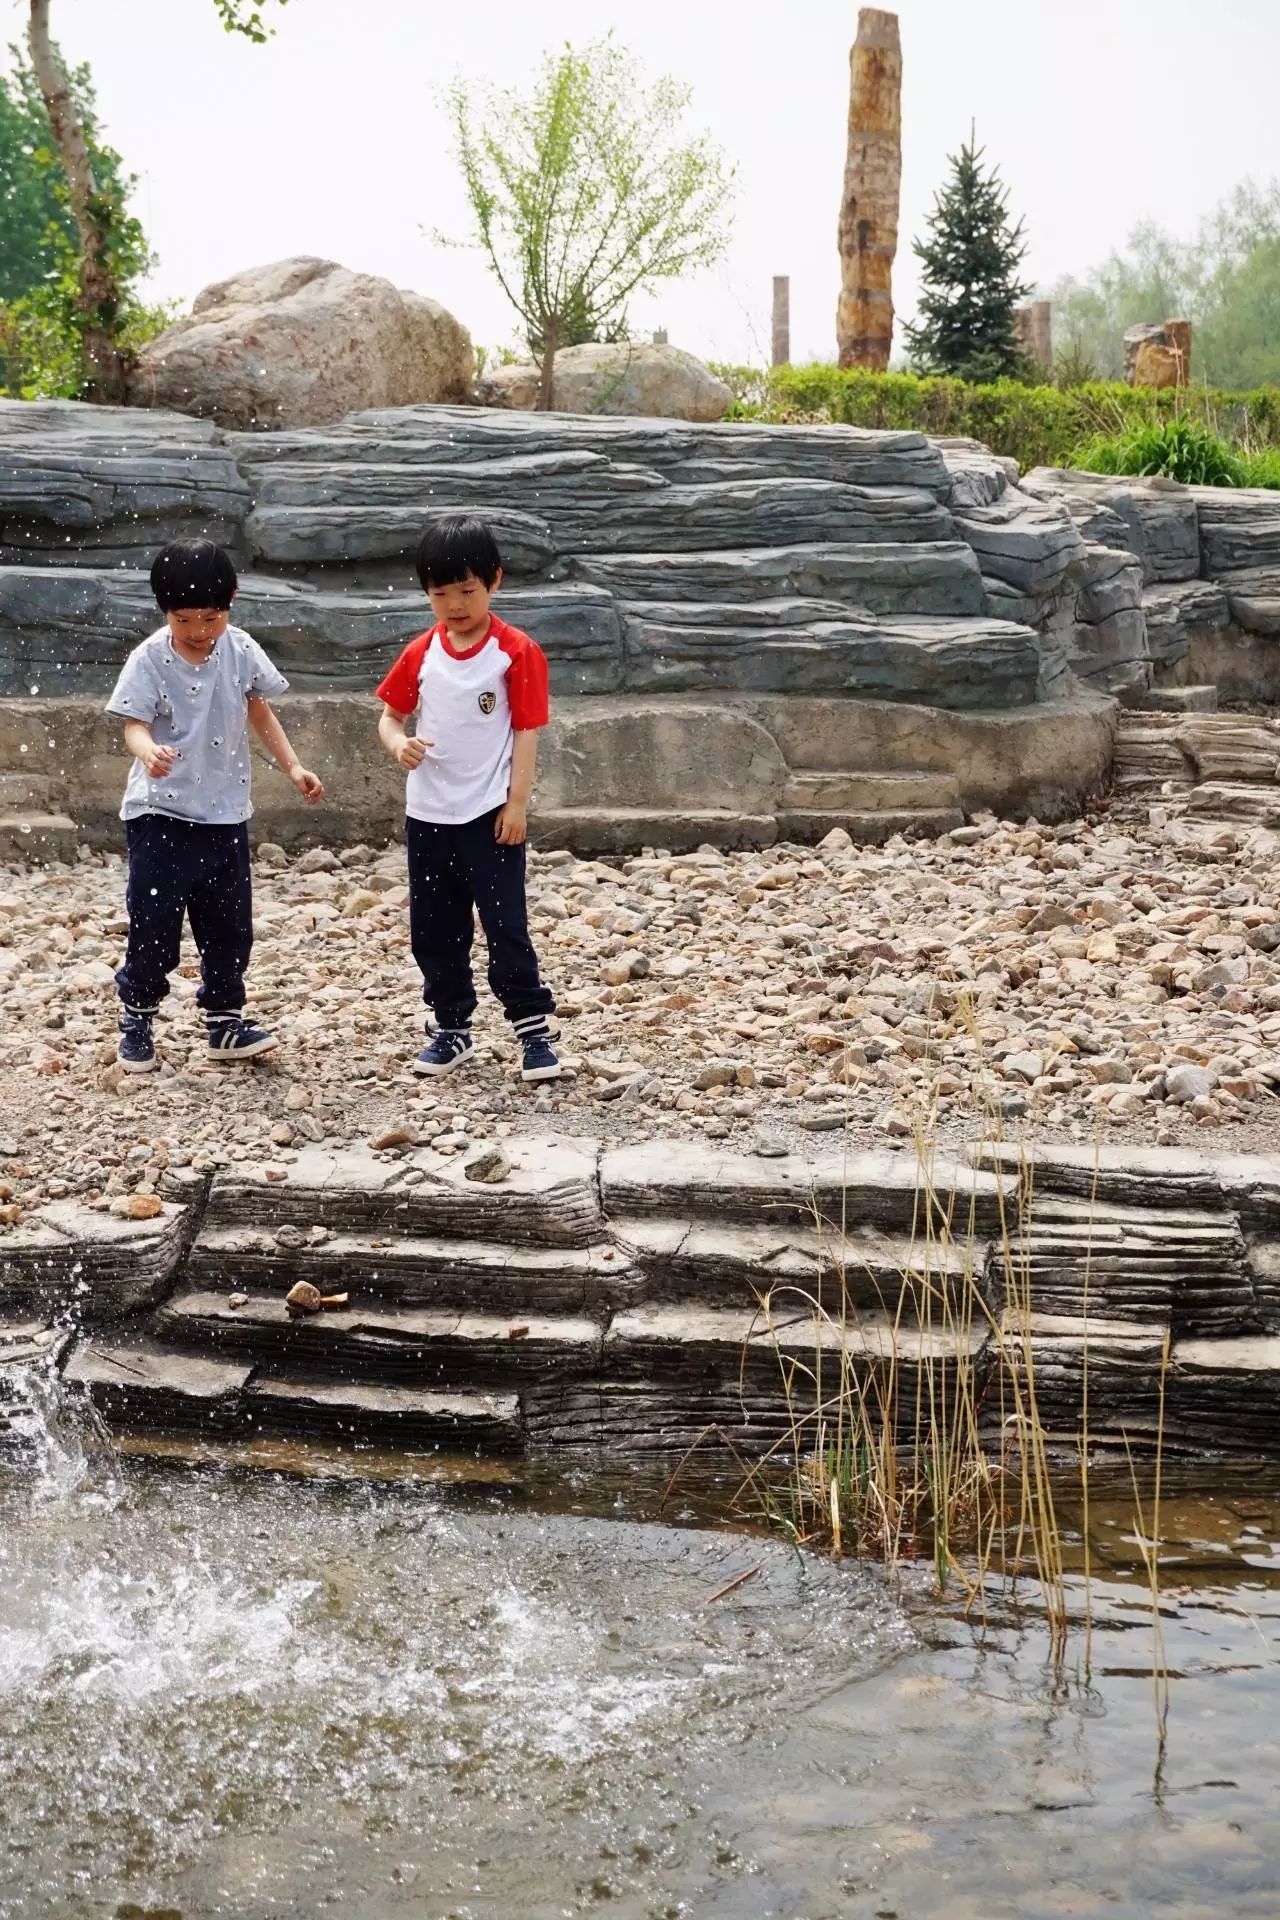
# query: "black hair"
455,546
193,573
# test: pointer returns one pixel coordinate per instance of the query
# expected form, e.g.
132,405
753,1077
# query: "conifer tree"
970,286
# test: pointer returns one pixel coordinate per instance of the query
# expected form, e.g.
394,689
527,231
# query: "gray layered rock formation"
653,556
628,1299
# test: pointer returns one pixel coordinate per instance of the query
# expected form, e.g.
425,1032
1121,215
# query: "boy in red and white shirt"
479,689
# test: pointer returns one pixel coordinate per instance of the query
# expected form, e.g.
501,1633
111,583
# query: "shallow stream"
298,1690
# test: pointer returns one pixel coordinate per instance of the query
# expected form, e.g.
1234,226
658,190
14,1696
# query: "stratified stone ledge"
640,1299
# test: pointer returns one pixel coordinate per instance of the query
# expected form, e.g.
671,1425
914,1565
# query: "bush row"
1037,426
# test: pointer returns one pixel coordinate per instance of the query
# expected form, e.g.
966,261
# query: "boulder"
631,377
301,343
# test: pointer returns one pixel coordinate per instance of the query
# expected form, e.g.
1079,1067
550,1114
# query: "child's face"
197,630
463,606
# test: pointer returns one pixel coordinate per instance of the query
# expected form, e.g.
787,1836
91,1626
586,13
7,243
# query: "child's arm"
512,823
409,751
156,759
276,741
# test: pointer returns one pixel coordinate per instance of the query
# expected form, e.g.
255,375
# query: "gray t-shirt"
203,713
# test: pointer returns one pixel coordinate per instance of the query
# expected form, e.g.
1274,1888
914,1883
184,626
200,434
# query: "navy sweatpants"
177,868
451,871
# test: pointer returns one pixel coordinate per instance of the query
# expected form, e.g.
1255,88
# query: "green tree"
969,260
107,239
582,193
33,188
1225,279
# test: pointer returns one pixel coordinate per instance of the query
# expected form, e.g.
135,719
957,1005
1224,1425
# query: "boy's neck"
194,657
464,642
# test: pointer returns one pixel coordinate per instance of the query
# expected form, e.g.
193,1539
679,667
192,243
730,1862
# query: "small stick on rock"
740,1581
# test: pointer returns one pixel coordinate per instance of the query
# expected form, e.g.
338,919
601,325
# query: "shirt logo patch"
488,701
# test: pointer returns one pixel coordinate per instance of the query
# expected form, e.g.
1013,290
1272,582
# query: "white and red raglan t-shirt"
470,704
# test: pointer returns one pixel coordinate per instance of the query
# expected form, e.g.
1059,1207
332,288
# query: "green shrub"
1181,449
1036,426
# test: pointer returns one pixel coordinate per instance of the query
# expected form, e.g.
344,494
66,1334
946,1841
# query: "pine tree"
970,260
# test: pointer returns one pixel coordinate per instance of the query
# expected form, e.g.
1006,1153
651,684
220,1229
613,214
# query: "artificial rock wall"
705,576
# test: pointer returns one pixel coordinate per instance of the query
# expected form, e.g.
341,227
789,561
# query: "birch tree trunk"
868,236
99,294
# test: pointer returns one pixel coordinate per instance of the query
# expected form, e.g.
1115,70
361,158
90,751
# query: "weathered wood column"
868,236
780,355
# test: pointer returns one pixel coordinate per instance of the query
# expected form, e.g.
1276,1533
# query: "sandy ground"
1116,979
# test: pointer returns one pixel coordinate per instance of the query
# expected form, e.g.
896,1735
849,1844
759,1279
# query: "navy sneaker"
447,1050
136,1051
539,1060
233,1037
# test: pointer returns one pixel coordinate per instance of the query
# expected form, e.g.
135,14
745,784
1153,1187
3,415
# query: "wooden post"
781,345
868,233
1033,330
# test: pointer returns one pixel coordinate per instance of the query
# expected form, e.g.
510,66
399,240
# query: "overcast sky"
331,140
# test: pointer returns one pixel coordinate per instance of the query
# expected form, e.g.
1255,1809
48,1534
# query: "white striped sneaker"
233,1037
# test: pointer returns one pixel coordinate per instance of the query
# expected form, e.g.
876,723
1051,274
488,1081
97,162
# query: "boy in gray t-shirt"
188,697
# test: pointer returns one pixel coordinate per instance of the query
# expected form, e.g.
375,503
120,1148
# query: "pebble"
1125,972
490,1165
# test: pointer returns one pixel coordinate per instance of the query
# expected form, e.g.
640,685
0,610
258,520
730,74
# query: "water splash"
53,1437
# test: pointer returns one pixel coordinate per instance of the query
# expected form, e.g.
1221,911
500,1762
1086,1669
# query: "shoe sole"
541,1073
138,1066
434,1073
228,1055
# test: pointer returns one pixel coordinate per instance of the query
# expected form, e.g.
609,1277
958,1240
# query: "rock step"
138,1382
839,1192
599,830
1229,800
795,647
423,1347
1186,1269
870,829
439,1350
1180,700
371,511
548,1199
813,790
1225,1394
1223,746
38,836
714,1264
30,792
938,577
432,435
412,1271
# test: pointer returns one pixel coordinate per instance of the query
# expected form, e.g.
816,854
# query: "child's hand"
158,760
413,752
511,825
308,785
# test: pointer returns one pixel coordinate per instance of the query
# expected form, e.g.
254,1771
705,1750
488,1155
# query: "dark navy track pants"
453,870
182,868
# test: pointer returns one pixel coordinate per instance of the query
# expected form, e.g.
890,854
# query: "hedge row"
1037,426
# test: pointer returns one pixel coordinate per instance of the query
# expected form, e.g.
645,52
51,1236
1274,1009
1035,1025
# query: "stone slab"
949,664
547,1200
889,577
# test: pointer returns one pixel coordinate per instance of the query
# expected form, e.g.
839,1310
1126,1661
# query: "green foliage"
1181,449
243,16
1226,281
582,194
41,324
1036,426
37,227
969,278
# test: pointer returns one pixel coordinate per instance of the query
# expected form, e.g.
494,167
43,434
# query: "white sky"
331,139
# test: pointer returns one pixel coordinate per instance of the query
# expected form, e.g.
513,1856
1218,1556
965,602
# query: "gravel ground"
1118,978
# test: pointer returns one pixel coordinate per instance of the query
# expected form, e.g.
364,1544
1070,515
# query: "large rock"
630,378
1154,517
300,343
